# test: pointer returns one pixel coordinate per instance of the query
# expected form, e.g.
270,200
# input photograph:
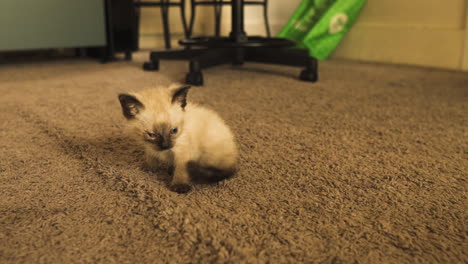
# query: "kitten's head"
156,116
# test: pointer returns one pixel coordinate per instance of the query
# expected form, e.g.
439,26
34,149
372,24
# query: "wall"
151,28
278,14
419,32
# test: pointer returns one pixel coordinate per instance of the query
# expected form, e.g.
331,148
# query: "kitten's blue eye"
152,135
173,131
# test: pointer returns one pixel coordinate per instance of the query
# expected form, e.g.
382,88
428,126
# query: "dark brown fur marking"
180,96
200,174
130,105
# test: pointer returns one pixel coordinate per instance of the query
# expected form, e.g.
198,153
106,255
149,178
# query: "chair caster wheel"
308,76
151,66
128,55
194,78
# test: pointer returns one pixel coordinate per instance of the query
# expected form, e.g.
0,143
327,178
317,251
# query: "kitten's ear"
179,95
130,105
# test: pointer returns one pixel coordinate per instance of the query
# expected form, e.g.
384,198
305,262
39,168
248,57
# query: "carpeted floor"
369,165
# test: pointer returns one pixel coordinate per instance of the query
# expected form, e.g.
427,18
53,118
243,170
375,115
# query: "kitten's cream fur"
203,145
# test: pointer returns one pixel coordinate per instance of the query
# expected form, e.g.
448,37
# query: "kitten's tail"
208,174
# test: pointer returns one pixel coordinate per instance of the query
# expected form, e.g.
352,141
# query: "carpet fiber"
369,165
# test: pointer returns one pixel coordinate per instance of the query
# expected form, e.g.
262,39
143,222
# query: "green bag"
303,19
327,22
331,28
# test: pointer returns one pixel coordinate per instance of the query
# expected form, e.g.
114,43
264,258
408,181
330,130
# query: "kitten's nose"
165,145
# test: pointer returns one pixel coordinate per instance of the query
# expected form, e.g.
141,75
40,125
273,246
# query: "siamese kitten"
192,140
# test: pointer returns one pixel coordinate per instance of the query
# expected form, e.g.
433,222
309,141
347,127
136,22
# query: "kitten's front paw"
180,188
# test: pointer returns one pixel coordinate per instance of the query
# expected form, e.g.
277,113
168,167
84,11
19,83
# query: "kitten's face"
157,115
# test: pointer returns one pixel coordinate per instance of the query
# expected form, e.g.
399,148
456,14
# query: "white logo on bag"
338,23
304,24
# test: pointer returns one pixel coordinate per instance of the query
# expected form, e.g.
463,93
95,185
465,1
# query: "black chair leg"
265,16
165,17
239,56
291,57
218,11
209,58
151,65
285,56
184,19
176,54
192,17
310,73
194,76
128,55
212,57
235,49
156,56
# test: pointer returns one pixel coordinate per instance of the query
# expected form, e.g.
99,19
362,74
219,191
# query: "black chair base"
262,50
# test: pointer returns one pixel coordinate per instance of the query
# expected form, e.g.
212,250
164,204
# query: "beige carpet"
369,165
